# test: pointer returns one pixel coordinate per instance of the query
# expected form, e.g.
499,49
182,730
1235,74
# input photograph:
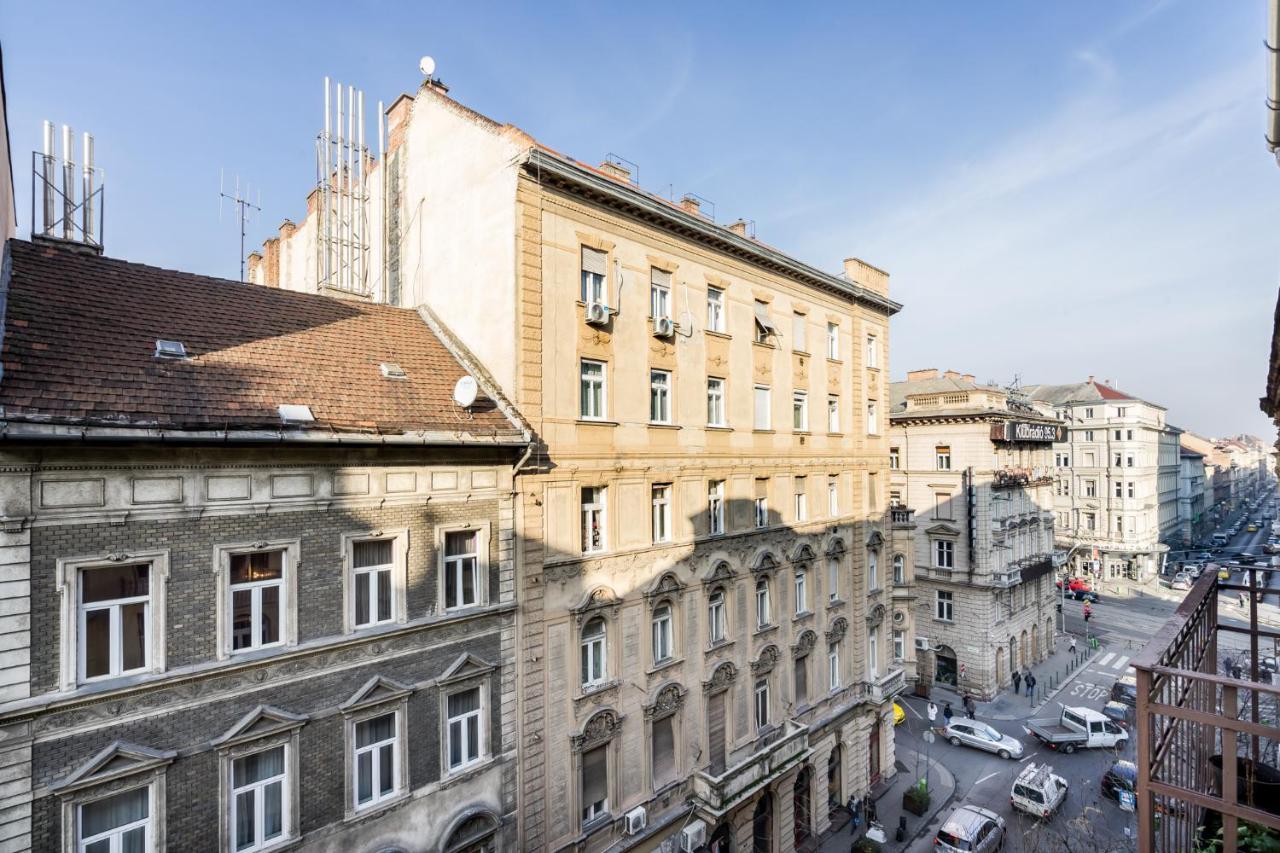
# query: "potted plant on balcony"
916,798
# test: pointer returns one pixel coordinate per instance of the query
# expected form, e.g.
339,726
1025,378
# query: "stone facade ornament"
669,700
601,728
720,573
804,644
667,584
874,617
764,663
721,678
764,562
600,599
875,540
839,627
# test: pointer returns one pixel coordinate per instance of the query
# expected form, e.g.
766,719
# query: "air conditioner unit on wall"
663,327
693,836
635,820
597,313
922,643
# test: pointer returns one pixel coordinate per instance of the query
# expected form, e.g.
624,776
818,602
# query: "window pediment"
835,548
262,721
721,572
802,554
666,584
602,600
466,666
943,529
668,700
875,540
601,728
375,691
805,644
764,561
115,761
722,677
839,627
765,662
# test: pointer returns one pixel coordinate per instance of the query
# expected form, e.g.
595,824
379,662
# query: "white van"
1038,791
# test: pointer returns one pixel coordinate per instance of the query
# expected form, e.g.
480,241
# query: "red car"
1076,585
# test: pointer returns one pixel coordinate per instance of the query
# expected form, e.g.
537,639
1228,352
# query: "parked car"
899,715
1077,728
967,732
1204,556
1085,595
1038,791
1224,574
1193,570
1252,528
1074,584
971,829
1181,580
1123,776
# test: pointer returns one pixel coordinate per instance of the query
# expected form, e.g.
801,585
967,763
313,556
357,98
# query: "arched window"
595,668
476,834
873,570
763,611
716,628
663,634
899,569
802,591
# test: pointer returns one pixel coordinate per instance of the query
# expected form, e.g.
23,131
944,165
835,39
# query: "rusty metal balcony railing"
718,795
1207,743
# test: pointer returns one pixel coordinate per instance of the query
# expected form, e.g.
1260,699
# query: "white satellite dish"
465,391
427,66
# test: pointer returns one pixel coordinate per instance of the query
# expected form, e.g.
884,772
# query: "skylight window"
170,349
295,413
391,370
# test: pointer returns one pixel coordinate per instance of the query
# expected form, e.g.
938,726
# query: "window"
800,411
833,578
833,340
1119,524
873,419
1128,461
1119,488
257,599
259,800
1088,435
899,569
593,273
941,505
715,310
120,823
595,783
715,507
873,654
662,630
873,493
114,622
1090,488
895,461
716,628
833,497
715,402
1090,521
663,757
899,645
802,679
462,581
763,614
764,323
659,293
801,499
873,351
1117,435
594,646
377,758
799,341
873,570
944,606
661,501
833,666
762,408
465,719
1129,434
762,703
944,551
1130,490
1121,411
1088,413
943,457
593,520
591,398
833,413
1117,460
802,591
660,396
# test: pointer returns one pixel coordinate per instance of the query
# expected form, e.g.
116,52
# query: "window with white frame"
1129,435
1088,413
1130,488
833,666
873,570
594,265
873,654
660,396
591,391
944,554
258,599
762,703
833,577
761,502
595,783
715,402
833,340
802,591
894,459
1118,458
659,293
944,606
114,621
1088,435
899,645
376,761
715,310
1117,435
1128,461
763,408
833,497
799,341
373,588
593,519
465,710
1090,488
660,499
260,799
120,823
717,630
1119,485
833,413
715,507
1119,524
662,634
899,569
942,457
462,580
764,614
1121,411
594,658
800,411
873,351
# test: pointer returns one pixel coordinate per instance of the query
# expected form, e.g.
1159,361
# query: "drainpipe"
1273,75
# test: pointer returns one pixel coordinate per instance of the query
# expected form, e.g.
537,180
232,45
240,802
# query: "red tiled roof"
79,345
1108,393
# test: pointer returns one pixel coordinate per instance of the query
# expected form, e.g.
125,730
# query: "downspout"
1273,75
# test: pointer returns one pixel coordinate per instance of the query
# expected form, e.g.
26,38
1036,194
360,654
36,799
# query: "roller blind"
593,260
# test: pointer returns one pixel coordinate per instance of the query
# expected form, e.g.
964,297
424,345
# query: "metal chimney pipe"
347,196
86,189
50,177
382,202
68,183
322,219
359,214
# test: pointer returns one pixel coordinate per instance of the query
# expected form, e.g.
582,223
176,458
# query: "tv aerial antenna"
245,209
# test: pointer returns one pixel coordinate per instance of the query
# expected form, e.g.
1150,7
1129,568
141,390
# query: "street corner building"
971,478
258,569
705,617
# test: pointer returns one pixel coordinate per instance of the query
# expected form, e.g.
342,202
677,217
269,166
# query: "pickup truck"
1076,728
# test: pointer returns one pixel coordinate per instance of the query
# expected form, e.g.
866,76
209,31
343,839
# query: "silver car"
971,829
963,730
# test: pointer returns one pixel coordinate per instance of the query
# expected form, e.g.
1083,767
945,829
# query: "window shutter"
802,680
595,775
762,487
662,278
762,317
593,260
664,751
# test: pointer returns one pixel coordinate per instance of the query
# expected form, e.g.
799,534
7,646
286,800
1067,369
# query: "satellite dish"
427,66
465,391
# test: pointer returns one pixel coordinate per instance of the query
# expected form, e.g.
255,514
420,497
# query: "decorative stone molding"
599,601
764,561
835,547
839,628
669,700
804,644
666,584
721,572
120,759
875,616
603,726
766,661
802,554
875,540
722,678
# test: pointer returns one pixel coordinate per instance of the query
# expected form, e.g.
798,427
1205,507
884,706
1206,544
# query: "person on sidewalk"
1072,647
854,806
1031,684
970,707
947,713
1017,681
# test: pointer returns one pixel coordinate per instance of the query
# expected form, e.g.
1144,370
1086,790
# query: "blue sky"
1058,190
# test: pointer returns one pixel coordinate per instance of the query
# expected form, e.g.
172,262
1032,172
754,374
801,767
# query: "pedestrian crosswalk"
1116,662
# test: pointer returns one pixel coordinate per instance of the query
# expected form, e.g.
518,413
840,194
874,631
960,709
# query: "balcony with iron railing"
1208,774
785,748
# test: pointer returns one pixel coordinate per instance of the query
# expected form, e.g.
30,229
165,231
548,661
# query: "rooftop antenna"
245,209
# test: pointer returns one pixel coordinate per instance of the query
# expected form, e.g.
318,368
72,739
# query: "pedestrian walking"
1031,682
970,707
1017,681
947,712
1072,647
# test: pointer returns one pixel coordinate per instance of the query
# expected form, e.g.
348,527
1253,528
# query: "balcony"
884,689
901,518
1206,742
1009,577
718,795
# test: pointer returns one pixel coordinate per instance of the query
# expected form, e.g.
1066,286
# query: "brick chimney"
691,205
617,171
919,375
968,377
872,278
739,227
271,262
254,271
951,374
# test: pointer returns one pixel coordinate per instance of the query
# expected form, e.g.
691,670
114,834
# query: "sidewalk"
889,806
1050,675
